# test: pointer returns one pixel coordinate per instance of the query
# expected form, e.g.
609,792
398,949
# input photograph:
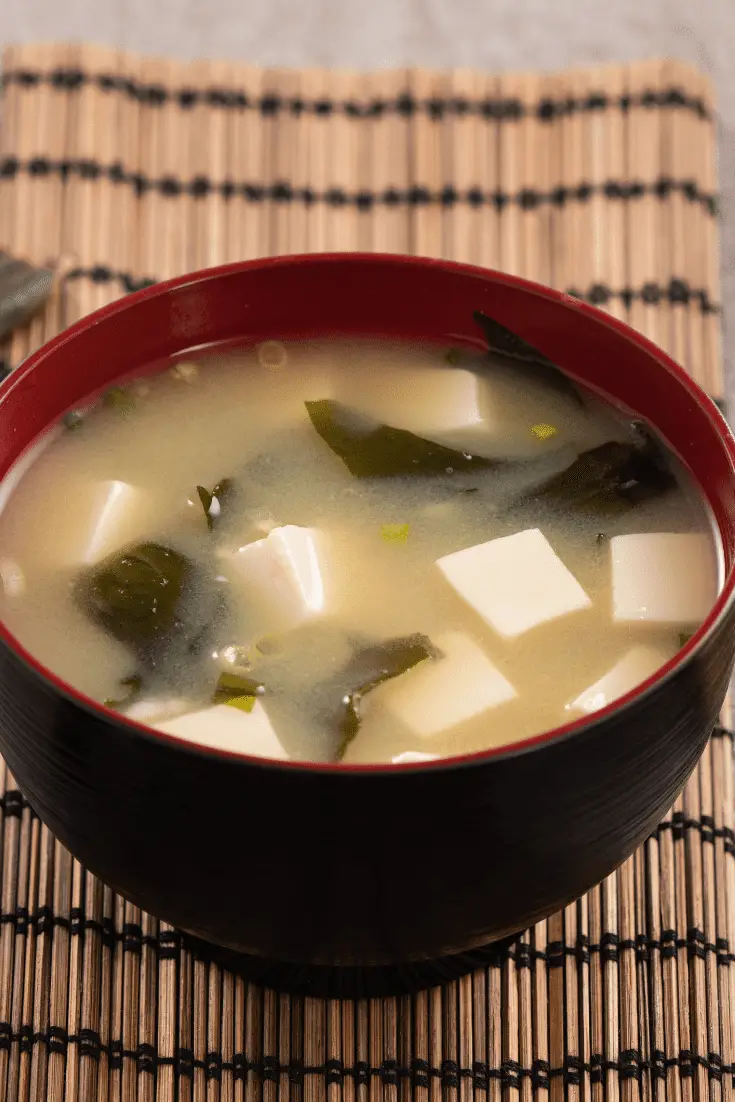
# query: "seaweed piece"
134,685
379,451
134,594
611,477
237,691
214,500
504,342
374,666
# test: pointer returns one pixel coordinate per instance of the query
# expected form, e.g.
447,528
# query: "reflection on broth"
359,551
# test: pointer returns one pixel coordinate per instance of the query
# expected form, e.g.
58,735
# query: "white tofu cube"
410,757
424,400
515,582
82,528
226,728
633,668
442,692
150,709
519,417
284,572
663,577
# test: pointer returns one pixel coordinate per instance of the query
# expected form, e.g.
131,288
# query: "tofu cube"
150,709
515,582
663,577
223,727
410,757
284,572
520,417
632,669
423,400
81,529
442,692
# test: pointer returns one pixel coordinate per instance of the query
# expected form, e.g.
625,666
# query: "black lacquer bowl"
346,865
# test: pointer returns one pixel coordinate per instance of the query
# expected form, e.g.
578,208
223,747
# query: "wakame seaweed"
134,685
373,666
379,451
503,342
134,594
611,477
219,496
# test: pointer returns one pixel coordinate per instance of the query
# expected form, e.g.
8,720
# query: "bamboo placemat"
596,181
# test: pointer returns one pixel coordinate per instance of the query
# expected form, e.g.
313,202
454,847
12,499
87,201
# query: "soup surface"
356,551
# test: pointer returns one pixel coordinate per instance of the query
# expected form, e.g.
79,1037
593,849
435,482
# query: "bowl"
328,867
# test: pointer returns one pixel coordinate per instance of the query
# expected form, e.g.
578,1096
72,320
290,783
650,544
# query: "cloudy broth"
354,550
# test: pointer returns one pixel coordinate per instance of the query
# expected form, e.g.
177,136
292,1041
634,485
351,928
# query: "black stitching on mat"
674,292
13,803
679,824
102,274
405,104
419,1073
282,191
167,944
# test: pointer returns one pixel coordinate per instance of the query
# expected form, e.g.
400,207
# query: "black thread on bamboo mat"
166,944
13,803
679,824
281,191
418,1073
676,291
509,108
101,274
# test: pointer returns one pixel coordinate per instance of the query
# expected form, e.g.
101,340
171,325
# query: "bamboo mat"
599,182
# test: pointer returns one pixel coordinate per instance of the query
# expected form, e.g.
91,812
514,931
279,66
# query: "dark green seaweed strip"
134,594
134,685
612,477
222,493
384,452
374,666
505,343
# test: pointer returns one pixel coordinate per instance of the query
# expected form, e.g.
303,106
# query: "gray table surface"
488,34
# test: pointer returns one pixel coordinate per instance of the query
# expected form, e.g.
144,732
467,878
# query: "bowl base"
354,982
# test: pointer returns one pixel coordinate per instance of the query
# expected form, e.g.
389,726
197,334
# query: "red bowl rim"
576,727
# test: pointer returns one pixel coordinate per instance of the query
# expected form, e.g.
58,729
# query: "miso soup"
354,551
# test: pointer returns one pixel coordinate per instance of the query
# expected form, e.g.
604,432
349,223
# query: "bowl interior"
398,297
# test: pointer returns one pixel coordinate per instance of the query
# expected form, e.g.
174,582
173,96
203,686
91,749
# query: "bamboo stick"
204,135
170,977
465,140
344,218
389,162
648,246
510,168
428,167
247,230
557,1037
